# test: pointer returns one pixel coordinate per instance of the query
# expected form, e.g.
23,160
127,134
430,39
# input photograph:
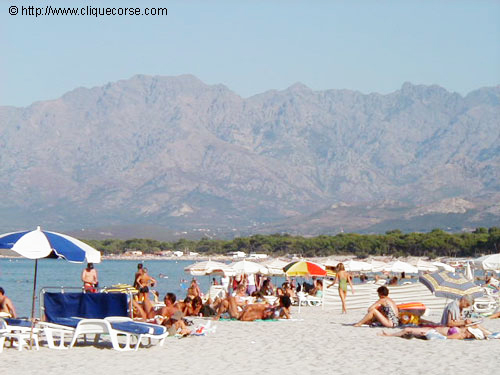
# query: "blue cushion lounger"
85,313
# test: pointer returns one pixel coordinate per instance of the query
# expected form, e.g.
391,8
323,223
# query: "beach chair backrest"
85,305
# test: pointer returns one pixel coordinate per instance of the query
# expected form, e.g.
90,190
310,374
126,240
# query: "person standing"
343,277
140,271
144,282
89,278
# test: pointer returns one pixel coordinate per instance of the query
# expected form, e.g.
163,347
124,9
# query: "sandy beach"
316,341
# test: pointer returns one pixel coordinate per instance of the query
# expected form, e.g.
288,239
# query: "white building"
257,256
237,254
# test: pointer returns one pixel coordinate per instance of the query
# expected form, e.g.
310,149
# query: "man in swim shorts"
89,278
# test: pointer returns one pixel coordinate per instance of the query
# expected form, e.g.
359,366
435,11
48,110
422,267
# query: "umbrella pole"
33,305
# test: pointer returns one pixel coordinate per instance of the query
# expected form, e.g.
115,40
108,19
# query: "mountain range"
176,154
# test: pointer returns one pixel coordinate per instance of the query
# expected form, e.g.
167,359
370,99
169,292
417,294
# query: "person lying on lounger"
384,311
429,333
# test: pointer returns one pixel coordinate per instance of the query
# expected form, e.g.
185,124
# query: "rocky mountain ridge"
175,152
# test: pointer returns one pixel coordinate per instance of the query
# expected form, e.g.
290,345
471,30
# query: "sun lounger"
146,330
98,327
76,314
20,332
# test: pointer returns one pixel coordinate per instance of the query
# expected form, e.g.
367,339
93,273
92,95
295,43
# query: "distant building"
237,254
133,253
178,253
257,256
193,254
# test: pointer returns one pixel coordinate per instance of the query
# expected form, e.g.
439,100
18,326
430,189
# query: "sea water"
16,277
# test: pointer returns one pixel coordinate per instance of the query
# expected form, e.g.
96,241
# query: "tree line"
436,243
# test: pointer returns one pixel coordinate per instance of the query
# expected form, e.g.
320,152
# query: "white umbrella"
399,266
331,263
444,266
377,266
469,275
247,267
209,267
488,262
357,266
274,267
37,244
425,266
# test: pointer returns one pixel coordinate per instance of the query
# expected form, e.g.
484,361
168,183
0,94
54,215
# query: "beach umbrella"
488,262
399,267
331,263
377,266
37,244
304,268
450,285
469,274
444,266
247,267
425,266
357,266
209,267
274,267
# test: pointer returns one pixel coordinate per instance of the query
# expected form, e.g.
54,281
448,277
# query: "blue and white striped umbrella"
450,285
39,243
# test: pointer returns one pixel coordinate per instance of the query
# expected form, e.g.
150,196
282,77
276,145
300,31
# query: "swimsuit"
343,284
390,314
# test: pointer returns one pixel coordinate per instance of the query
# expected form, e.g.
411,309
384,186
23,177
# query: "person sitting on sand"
239,300
169,315
429,333
7,309
384,311
256,311
266,289
453,313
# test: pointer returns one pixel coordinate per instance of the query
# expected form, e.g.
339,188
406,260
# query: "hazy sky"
253,46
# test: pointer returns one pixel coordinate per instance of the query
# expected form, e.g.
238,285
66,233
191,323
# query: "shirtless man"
89,278
144,281
140,271
6,305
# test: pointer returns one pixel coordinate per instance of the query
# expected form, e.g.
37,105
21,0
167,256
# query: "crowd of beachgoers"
251,297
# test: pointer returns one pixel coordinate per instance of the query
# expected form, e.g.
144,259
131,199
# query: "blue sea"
16,277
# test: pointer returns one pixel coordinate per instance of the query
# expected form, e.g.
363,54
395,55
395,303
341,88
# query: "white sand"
320,343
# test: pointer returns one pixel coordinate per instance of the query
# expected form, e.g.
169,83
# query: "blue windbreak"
7,242
65,248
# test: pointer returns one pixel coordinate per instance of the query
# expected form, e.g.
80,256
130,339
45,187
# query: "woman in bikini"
343,277
384,311
459,333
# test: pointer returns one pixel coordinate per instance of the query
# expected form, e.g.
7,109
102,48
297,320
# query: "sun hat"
476,332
